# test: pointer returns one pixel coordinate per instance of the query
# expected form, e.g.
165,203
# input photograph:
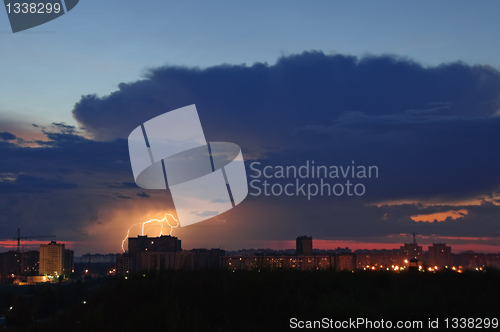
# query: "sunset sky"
412,88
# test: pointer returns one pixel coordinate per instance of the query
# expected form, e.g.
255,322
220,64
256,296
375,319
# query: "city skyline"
287,245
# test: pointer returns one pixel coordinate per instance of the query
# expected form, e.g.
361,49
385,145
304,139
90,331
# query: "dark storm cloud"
123,185
66,152
62,184
34,184
68,185
432,131
143,195
418,157
274,219
6,136
311,88
63,128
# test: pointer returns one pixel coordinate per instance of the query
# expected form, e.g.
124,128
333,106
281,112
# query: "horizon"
403,116
281,246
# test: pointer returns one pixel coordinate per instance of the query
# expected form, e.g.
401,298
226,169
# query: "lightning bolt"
153,221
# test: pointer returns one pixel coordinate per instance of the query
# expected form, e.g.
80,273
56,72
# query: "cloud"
219,200
6,136
309,88
205,213
406,118
64,128
123,185
432,132
32,184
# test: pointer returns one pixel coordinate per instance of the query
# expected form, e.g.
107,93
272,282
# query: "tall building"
55,260
411,251
304,245
144,244
439,255
163,258
164,252
10,263
124,264
69,261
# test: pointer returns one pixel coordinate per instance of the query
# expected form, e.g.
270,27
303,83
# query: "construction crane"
19,237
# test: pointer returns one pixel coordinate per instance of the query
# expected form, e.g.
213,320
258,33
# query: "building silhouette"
439,255
303,260
413,265
378,259
411,251
124,264
296,262
30,263
162,253
304,245
346,262
10,263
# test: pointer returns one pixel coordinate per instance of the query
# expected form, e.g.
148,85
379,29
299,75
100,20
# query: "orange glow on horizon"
463,238
437,201
32,244
440,216
355,245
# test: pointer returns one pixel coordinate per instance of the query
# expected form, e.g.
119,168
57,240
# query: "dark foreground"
219,300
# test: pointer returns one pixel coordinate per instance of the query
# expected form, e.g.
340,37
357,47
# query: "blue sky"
100,44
